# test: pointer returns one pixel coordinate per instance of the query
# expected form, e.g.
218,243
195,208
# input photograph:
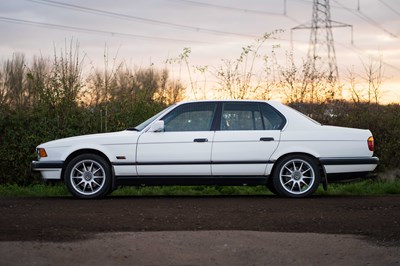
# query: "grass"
37,190
360,188
363,188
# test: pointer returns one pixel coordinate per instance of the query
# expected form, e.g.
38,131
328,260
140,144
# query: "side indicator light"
42,152
371,144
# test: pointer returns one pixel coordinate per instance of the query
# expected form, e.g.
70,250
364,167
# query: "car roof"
229,100
290,114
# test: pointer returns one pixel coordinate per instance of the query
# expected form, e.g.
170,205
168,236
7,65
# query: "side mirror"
157,126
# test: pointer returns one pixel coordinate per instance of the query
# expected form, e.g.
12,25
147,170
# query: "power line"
389,7
361,15
355,49
134,18
367,19
244,10
311,2
361,52
87,30
195,3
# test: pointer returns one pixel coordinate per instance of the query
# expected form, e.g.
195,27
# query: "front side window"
250,116
144,124
190,117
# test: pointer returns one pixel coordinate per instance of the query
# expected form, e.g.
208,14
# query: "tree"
374,76
13,82
370,90
306,84
37,80
238,79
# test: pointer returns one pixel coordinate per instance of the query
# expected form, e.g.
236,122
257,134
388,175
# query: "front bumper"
49,169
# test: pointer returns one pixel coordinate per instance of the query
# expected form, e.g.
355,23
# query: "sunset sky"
144,32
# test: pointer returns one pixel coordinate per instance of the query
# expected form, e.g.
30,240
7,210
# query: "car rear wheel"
296,176
88,176
270,187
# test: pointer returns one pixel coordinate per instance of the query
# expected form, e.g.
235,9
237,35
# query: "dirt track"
66,222
65,219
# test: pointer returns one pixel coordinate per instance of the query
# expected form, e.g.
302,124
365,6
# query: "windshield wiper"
132,129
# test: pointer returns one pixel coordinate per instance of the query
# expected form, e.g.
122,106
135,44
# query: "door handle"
200,140
267,139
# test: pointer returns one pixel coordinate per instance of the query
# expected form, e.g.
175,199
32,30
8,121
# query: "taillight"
371,145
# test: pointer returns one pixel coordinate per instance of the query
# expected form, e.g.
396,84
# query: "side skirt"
192,180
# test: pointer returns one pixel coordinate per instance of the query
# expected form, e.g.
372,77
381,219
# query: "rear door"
249,132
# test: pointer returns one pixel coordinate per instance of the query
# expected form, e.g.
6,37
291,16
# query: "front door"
184,147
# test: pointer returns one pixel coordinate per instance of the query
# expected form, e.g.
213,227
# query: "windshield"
151,119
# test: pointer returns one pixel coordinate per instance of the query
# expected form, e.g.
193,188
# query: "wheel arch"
283,156
322,178
76,153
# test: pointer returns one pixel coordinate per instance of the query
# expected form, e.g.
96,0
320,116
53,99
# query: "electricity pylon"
321,57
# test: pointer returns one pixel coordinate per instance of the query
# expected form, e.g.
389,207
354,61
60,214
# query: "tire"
88,176
296,176
270,187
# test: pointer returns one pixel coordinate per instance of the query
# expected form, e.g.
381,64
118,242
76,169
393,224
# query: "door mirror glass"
157,126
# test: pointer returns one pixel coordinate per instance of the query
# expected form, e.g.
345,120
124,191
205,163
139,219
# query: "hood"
119,137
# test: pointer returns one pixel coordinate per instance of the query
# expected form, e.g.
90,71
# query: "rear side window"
271,118
250,116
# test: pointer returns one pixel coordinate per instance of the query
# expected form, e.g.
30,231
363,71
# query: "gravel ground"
200,231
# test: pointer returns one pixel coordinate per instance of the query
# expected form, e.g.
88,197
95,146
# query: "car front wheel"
296,176
88,176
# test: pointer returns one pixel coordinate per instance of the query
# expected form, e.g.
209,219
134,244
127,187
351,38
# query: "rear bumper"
48,169
349,168
349,161
342,177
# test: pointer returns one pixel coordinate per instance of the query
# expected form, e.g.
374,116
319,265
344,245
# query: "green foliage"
50,99
46,101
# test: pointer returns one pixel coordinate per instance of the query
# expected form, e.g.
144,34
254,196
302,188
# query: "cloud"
205,27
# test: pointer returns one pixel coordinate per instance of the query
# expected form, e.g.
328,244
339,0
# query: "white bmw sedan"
212,143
